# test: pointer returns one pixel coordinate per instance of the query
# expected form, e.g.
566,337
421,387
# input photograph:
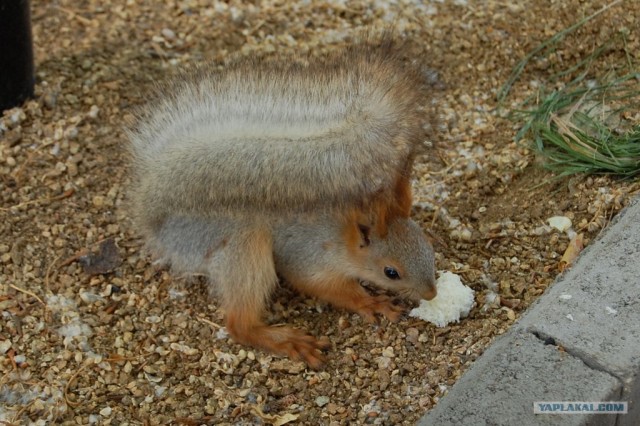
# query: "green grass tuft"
584,126
585,130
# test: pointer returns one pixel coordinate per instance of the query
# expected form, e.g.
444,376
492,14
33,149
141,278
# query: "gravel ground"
92,332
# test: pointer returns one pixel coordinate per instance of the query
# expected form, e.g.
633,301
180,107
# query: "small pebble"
93,112
153,319
168,34
561,223
412,335
50,100
321,401
388,352
98,201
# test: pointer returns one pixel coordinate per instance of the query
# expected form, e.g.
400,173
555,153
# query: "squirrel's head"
402,261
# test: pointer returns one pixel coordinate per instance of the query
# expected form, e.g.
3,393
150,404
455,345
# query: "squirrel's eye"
391,273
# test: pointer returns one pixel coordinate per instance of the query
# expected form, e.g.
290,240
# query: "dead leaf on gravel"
104,261
572,252
273,419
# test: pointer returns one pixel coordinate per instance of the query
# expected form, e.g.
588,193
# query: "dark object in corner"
16,53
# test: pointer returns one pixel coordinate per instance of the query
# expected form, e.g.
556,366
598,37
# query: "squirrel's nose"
429,293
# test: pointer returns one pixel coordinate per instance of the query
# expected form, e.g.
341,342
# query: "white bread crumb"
454,301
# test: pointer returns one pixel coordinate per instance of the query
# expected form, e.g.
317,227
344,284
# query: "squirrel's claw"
380,305
308,349
296,344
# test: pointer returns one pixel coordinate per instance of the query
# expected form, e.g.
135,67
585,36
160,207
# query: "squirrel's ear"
403,196
364,233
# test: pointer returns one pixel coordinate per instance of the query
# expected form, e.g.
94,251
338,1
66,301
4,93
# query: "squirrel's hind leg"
245,277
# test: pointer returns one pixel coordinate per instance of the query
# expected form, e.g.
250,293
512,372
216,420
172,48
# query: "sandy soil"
92,332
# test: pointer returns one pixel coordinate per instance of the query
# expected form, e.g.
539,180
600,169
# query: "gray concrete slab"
593,312
511,375
579,342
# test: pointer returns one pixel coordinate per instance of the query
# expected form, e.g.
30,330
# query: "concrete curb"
579,342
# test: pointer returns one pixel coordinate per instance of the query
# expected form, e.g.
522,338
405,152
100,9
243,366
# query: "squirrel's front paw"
380,305
295,344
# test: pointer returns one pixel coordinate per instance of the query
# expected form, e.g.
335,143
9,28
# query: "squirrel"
318,256
298,166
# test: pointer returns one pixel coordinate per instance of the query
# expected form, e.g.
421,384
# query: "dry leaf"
105,260
571,253
274,419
